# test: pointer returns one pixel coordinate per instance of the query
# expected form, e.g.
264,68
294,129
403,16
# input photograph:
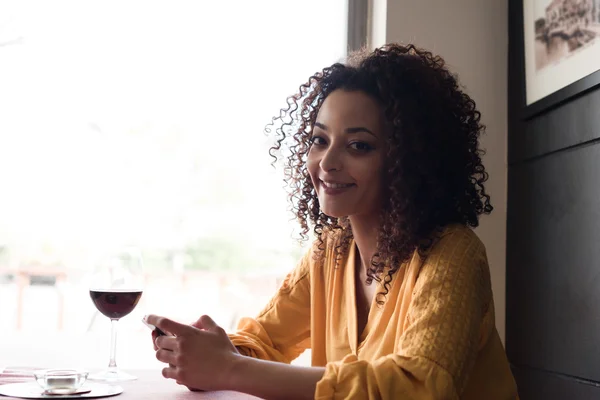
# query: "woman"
394,298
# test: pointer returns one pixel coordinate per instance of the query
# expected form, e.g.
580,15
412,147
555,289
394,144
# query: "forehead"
343,109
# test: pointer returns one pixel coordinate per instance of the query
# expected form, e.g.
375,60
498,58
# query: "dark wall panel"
540,385
570,124
553,263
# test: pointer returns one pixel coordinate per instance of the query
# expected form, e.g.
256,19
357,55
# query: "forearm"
273,380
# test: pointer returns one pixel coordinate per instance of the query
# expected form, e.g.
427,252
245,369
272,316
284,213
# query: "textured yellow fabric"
435,337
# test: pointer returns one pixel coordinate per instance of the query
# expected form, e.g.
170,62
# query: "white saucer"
31,390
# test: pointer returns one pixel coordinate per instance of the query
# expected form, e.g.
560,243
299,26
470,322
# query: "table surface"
151,385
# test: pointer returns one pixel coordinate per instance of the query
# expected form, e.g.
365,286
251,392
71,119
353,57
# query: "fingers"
166,342
205,322
196,324
168,325
166,356
170,372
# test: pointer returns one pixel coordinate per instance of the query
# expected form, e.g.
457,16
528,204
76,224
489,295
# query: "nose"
331,160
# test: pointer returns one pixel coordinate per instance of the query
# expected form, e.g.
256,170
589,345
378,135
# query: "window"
141,123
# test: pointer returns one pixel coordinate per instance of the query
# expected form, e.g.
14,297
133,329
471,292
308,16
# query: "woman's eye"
361,146
317,140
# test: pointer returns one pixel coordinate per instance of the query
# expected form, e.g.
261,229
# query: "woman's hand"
155,335
200,356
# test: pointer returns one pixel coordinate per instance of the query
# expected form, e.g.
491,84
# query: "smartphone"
152,327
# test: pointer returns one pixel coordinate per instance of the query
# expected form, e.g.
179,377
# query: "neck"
364,230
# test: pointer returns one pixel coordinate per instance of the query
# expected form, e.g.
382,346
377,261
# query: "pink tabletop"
151,385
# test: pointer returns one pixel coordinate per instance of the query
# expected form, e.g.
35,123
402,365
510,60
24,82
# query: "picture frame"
561,46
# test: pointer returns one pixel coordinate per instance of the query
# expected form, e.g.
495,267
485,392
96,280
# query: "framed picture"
562,50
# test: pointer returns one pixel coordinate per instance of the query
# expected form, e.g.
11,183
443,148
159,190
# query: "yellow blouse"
435,337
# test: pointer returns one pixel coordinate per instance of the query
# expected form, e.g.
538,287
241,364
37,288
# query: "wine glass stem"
113,344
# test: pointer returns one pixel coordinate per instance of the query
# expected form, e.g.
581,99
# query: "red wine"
115,304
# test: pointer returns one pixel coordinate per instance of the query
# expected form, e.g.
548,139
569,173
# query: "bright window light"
141,123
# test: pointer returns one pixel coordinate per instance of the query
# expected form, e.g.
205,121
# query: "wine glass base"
112,375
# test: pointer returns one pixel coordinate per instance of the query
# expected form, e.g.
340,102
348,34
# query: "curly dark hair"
433,170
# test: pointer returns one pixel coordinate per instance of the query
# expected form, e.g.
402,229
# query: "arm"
281,331
273,380
203,357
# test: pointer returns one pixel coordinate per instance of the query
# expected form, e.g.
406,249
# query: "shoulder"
455,242
457,255
454,270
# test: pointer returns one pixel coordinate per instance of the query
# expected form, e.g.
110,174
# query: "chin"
334,213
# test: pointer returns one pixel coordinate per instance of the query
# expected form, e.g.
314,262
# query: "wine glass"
116,287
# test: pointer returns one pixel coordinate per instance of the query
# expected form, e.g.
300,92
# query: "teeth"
336,185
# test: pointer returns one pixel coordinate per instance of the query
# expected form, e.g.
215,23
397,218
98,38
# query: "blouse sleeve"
437,350
281,331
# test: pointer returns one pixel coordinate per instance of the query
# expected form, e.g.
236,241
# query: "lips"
336,185
334,188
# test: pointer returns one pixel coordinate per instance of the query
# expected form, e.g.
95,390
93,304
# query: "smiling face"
345,160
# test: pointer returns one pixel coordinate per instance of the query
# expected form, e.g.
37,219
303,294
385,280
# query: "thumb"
196,324
205,323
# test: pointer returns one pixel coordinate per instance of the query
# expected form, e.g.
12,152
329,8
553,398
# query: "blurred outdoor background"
141,123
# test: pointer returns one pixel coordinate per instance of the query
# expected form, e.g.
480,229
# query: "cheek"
372,177
369,169
312,165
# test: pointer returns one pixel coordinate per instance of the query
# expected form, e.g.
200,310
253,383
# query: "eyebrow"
355,129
